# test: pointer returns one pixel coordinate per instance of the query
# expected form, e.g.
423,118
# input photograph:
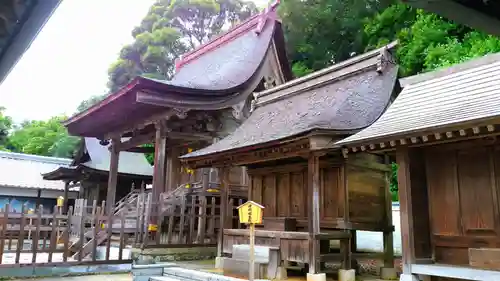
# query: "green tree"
171,28
85,104
322,32
46,138
5,127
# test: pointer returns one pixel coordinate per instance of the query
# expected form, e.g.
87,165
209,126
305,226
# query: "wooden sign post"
251,213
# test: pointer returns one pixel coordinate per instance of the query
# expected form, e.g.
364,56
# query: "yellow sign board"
250,213
60,201
152,227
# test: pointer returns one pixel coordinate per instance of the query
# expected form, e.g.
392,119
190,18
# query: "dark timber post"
388,233
224,198
414,212
314,218
113,176
159,167
66,199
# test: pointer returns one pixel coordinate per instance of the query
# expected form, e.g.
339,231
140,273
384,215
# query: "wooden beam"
112,177
149,149
135,141
162,116
190,136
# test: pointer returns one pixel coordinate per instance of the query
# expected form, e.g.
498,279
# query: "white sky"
69,60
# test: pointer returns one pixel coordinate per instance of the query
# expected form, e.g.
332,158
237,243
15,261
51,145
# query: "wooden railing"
189,220
83,236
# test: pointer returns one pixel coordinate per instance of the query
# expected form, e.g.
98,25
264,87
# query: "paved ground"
104,277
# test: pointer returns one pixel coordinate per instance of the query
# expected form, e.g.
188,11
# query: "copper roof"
463,94
342,99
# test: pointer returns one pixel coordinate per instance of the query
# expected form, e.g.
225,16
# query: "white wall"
373,241
31,192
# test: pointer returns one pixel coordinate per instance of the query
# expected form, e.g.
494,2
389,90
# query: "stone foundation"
152,256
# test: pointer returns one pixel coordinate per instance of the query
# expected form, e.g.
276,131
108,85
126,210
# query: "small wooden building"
311,194
443,131
90,168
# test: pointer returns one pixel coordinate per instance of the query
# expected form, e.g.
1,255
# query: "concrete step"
241,268
242,252
163,278
195,275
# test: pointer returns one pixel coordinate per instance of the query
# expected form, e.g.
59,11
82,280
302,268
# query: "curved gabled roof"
344,98
215,76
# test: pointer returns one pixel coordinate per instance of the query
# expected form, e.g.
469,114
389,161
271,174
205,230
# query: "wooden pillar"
159,166
346,246
38,197
388,234
414,211
224,199
314,217
112,176
65,195
205,178
172,169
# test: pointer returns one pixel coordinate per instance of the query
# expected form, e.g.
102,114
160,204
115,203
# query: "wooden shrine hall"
90,170
443,130
311,193
208,97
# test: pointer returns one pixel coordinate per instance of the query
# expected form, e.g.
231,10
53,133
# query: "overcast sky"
68,61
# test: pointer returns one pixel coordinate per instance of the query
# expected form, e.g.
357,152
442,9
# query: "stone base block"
144,272
408,277
281,274
219,262
347,275
388,273
316,277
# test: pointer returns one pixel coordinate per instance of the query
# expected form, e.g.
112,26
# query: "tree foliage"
171,28
322,32
46,138
5,127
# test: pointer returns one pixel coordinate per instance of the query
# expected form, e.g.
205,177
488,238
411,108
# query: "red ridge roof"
256,21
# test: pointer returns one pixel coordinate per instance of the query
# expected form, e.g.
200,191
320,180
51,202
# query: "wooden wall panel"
297,195
283,194
329,179
443,192
269,195
477,203
463,196
366,195
257,188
